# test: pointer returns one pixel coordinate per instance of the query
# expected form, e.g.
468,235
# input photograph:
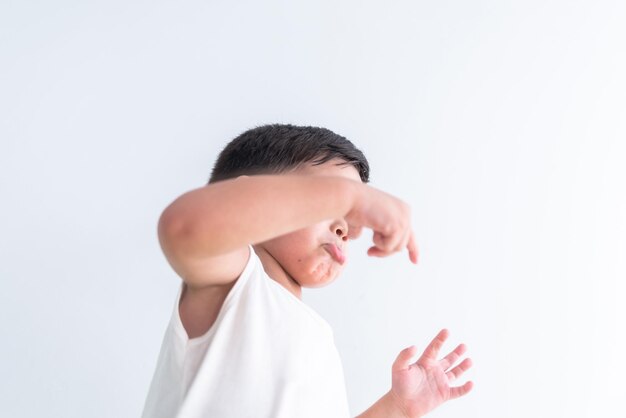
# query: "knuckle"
388,229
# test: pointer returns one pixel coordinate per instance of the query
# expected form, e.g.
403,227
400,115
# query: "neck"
277,273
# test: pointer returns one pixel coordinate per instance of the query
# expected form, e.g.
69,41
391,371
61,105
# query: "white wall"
502,123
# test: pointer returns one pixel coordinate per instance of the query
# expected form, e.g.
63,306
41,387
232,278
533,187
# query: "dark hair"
278,148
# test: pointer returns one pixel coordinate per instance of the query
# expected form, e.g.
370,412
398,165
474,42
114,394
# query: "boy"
276,216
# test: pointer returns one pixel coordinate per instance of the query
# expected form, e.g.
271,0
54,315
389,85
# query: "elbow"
167,228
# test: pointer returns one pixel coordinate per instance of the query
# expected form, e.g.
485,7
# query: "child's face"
303,253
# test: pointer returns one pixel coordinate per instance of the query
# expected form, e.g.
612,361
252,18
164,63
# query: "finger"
461,390
433,348
381,246
459,370
376,252
403,242
404,359
382,242
387,245
451,358
412,247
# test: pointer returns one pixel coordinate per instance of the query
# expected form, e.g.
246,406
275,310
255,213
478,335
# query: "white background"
501,123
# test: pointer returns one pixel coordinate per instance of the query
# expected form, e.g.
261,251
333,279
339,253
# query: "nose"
341,229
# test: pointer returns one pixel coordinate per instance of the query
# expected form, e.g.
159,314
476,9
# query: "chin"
317,285
316,282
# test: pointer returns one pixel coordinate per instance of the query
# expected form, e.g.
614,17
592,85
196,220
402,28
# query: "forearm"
223,216
383,408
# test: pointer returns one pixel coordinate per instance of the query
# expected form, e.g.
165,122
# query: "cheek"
293,245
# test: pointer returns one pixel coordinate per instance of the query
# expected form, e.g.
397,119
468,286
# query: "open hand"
418,388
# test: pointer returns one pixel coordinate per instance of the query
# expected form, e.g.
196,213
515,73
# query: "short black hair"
278,148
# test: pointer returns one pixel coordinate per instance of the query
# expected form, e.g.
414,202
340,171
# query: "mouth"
335,252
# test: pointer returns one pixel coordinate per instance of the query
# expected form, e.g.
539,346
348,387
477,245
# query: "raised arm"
227,215
204,232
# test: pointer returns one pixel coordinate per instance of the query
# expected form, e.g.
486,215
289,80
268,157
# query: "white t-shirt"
268,354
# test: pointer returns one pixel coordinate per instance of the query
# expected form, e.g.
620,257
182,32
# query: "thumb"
404,359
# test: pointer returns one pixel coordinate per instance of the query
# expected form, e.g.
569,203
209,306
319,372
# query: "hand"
418,388
388,217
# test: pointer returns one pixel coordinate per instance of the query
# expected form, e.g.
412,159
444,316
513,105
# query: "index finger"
412,247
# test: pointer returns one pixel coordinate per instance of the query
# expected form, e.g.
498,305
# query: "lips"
335,252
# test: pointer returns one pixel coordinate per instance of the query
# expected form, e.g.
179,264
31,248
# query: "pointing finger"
412,246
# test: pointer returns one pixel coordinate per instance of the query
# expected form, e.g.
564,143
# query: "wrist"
385,407
396,405
355,195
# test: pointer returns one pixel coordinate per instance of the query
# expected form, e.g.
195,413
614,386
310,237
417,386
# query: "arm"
248,210
385,407
245,210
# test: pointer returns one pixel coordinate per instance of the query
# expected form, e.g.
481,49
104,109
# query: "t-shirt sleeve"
176,322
